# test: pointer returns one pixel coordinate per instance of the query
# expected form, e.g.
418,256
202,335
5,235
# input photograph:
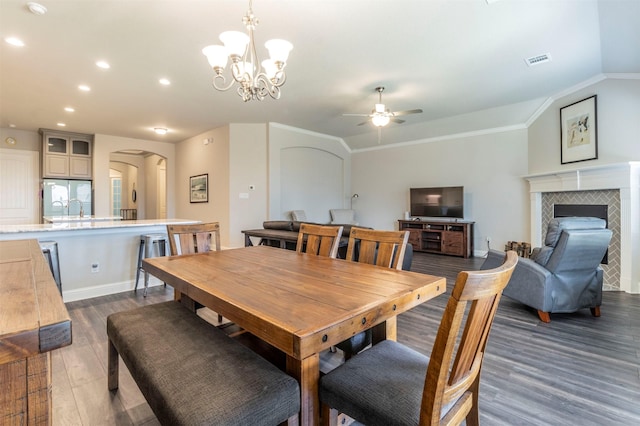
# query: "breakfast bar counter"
96,258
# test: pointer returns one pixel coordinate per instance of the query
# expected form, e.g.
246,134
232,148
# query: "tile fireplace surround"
618,186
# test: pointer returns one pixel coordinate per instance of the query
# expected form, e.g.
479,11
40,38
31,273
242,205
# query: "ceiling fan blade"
364,122
356,115
397,120
379,135
410,111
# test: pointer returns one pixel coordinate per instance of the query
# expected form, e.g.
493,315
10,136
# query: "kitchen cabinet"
66,155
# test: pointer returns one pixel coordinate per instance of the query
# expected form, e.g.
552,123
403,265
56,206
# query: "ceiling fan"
380,116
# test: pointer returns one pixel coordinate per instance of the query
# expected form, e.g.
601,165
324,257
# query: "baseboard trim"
105,290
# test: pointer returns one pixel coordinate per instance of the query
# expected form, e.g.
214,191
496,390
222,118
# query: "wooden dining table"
299,303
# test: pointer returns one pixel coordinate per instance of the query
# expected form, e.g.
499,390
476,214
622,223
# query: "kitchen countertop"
89,225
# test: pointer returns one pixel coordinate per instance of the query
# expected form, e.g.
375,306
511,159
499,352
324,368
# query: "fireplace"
616,186
601,211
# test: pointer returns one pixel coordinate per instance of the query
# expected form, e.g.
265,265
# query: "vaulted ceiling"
451,58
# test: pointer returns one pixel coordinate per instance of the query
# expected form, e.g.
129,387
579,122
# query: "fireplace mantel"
622,176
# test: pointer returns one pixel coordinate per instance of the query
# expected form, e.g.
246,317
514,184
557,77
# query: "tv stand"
441,237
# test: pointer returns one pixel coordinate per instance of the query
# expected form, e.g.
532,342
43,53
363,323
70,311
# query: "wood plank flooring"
576,370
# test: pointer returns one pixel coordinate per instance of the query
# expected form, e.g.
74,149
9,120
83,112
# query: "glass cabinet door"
80,147
56,145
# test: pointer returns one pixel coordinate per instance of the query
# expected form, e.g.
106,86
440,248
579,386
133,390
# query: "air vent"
537,60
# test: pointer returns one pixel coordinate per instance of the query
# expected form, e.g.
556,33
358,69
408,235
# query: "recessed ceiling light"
69,109
84,88
160,130
36,8
12,125
164,81
61,124
103,64
14,41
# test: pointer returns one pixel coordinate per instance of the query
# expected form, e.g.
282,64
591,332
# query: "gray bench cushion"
192,373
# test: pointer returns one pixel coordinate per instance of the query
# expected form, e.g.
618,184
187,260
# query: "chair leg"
328,416
112,367
544,316
139,265
595,311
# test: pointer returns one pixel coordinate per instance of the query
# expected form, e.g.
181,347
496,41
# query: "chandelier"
255,80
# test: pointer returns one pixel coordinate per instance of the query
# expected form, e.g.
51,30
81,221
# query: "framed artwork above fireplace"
579,131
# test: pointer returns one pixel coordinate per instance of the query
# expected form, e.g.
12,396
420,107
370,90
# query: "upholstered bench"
192,373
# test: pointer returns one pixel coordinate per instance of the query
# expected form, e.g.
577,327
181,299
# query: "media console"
443,237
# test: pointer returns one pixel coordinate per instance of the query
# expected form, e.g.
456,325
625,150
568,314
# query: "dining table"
299,303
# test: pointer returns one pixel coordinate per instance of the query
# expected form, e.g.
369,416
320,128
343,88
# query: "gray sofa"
564,275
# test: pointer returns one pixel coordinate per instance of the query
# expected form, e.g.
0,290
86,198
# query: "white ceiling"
448,57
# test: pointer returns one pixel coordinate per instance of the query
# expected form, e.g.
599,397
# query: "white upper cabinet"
66,155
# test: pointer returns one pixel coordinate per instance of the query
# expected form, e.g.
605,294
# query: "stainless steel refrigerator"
67,197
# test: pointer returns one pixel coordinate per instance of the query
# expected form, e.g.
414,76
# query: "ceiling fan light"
279,50
235,42
380,109
380,120
216,55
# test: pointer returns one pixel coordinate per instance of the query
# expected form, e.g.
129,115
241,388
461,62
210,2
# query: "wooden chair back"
319,239
381,248
193,238
446,382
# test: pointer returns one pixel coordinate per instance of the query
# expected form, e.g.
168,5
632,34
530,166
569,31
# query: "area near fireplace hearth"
616,186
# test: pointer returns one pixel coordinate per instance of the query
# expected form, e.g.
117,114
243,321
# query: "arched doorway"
144,185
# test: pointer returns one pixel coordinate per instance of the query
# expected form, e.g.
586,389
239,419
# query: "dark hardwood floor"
576,370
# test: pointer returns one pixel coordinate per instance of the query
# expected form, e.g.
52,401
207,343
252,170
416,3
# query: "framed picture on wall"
579,131
199,188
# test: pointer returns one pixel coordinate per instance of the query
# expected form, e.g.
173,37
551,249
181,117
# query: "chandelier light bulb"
270,68
279,50
235,43
216,55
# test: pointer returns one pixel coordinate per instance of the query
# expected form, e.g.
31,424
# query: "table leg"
387,330
307,372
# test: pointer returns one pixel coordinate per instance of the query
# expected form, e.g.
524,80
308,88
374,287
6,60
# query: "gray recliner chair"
564,275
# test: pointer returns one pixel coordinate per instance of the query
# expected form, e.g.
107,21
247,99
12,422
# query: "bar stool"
50,252
151,245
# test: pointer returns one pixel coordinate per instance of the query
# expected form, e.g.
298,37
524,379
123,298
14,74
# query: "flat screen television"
446,201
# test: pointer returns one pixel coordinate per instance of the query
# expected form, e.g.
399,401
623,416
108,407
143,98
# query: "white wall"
247,167
25,139
489,166
314,150
196,158
618,112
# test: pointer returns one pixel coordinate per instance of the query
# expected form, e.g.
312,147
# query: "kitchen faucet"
81,206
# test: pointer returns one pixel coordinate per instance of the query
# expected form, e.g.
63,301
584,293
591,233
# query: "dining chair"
319,239
194,238
393,384
375,247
